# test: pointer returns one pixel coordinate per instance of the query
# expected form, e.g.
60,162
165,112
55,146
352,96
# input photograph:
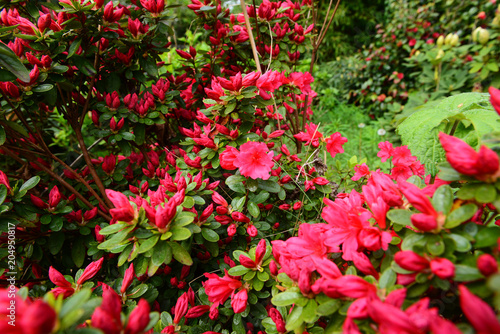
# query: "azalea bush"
145,194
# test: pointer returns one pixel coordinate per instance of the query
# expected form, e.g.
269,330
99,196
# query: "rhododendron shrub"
137,200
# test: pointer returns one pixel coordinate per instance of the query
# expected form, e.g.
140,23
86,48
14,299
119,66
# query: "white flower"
381,132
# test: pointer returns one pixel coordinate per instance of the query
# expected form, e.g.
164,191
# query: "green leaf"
387,279
486,193
270,186
10,61
74,47
442,200
487,237
462,244
420,130
400,216
112,228
329,307
460,215
3,136
138,291
3,193
148,244
253,209
56,241
235,183
74,302
84,65
465,273
180,254
263,276
238,270
180,233
209,235
435,245
78,253
30,183
162,253
261,197
294,320
286,298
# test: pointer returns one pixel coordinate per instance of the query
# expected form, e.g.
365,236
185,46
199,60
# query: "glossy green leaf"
209,235
286,298
180,254
148,244
460,215
10,61
442,200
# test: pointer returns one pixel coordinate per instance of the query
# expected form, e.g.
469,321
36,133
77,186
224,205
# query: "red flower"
218,289
227,158
123,210
487,264
495,98
254,160
311,136
239,301
334,144
90,271
479,313
483,165
443,268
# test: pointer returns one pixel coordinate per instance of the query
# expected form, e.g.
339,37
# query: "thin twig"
250,35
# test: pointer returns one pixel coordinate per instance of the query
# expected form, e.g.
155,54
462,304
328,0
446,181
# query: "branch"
90,165
250,35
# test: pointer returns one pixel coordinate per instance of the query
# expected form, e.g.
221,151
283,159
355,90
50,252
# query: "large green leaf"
11,62
473,112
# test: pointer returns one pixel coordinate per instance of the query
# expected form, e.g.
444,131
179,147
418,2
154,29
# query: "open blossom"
123,211
311,136
334,144
254,160
218,289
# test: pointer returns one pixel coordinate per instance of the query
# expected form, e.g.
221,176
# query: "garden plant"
152,185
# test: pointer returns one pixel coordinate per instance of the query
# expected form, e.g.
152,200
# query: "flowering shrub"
195,201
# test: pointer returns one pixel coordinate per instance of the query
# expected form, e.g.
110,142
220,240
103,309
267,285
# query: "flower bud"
440,41
487,264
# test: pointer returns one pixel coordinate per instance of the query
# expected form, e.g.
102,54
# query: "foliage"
194,196
426,50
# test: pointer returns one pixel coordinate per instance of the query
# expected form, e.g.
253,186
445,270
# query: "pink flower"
311,136
443,268
360,171
487,264
334,144
480,314
90,271
411,261
227,158
218,289
239,301
255,160
464,159
123,210
495,98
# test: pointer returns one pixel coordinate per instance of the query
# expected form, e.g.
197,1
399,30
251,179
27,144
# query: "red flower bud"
443,268
139,318
90,271
247,262
128,278
487,264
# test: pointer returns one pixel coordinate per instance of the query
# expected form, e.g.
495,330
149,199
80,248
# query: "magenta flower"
254,161
334,144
